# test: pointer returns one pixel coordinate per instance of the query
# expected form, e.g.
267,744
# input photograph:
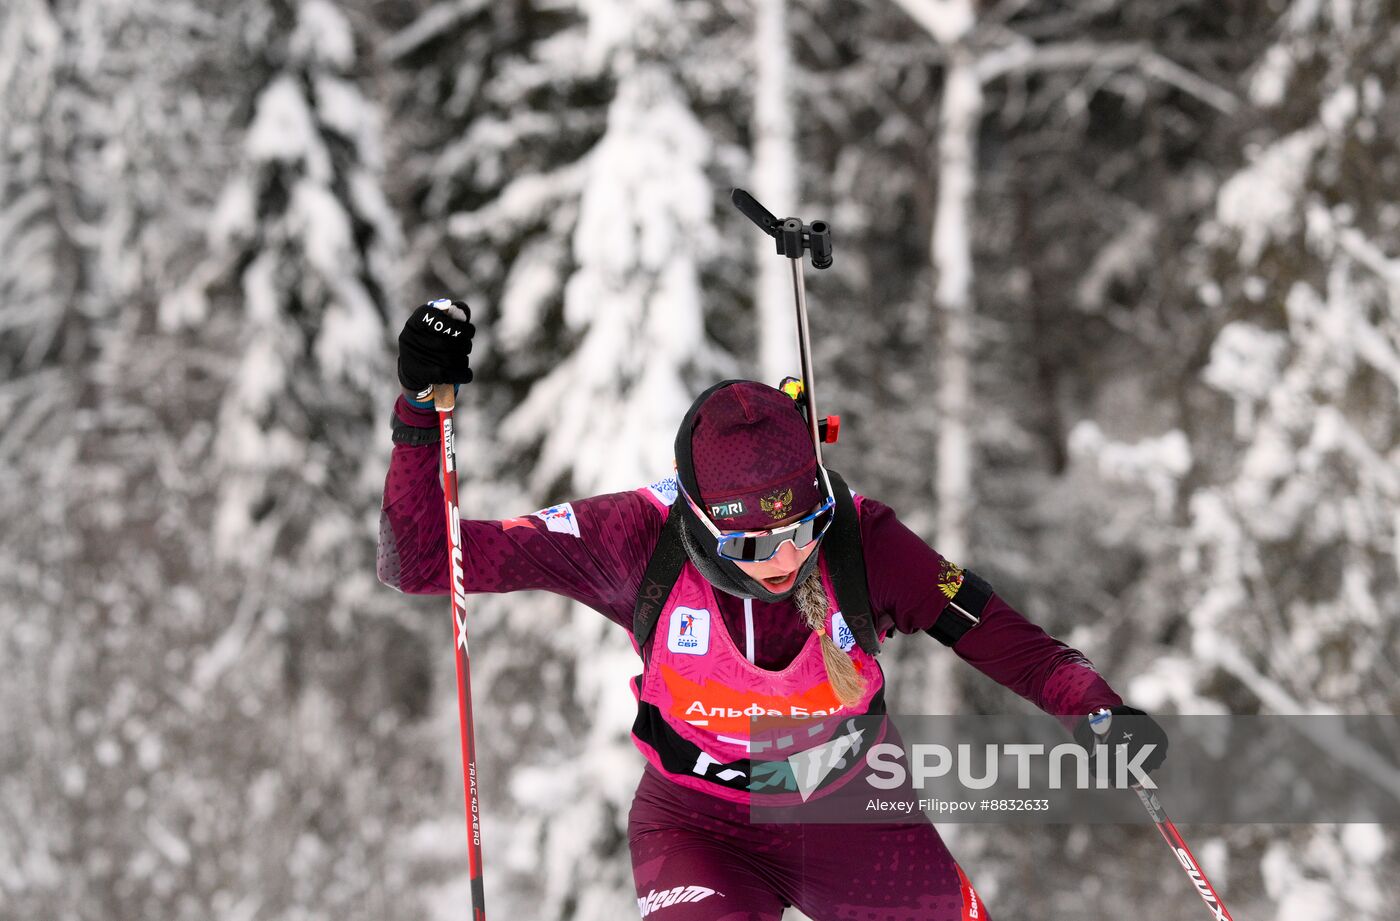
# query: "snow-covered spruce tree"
633,300
42,344
979,50
35,285
557,177
1295,532
607,412
1050,94
496,108
1287,561
95,154
316,699
1093,166
302,242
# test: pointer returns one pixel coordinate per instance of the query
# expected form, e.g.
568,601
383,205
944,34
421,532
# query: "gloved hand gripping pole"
795,238
1099,721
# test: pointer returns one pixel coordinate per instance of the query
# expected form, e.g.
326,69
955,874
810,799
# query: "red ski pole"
1183,854
444,400
1098,721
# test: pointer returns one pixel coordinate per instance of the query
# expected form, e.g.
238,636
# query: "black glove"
434,347
1129,727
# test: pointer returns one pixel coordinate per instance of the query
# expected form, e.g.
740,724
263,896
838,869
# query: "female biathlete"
730,578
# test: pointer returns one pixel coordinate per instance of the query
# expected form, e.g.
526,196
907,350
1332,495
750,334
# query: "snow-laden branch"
434,22
1332,432
1329,736
948,21
526,200
1025,56
220,656
1377,344
953,22
1004,11
1355,244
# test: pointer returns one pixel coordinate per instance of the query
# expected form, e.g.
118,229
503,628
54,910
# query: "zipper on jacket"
748,628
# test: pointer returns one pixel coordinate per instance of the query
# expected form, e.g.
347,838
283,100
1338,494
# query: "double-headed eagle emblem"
950,578
778,505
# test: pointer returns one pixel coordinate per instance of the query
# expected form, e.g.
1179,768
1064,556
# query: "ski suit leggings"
696,857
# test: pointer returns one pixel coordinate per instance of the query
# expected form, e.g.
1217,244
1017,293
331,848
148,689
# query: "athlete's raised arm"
592,550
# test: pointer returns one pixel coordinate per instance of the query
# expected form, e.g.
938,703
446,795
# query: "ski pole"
794,238
444,400
1170,834
1183,854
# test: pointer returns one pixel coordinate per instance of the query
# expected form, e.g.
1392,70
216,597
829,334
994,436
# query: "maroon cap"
753,458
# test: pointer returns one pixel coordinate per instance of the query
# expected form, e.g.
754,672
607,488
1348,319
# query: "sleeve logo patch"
841,632
666,491
950,579
560,519
689,633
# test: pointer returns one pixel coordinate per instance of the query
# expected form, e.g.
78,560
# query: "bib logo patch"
689,633
841,633
665,490
560,519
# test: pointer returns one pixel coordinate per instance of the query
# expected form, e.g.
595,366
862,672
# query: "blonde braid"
811,601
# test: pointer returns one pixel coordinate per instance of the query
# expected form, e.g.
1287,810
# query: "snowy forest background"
1114,319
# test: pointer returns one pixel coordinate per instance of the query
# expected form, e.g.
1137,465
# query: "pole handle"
445,395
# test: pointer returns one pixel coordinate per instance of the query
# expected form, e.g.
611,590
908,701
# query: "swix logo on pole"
1202,886
459,593
461,630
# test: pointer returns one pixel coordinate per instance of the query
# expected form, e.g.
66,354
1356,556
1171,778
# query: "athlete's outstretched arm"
592,550
907,580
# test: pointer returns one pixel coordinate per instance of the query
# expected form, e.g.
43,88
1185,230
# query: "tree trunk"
951,249
775,185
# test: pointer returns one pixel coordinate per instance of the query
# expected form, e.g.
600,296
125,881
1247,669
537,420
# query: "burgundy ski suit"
697,856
